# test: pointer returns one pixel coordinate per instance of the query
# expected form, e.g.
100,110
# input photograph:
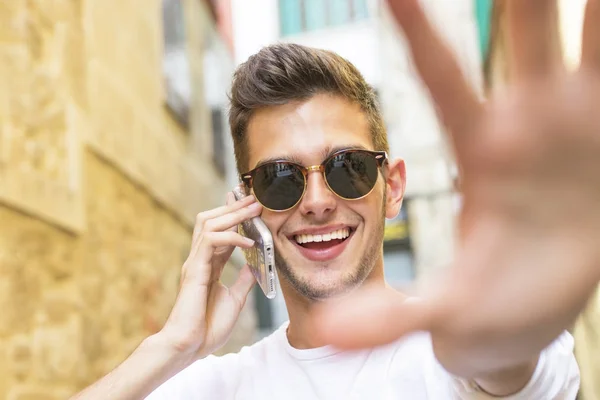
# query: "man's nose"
318,201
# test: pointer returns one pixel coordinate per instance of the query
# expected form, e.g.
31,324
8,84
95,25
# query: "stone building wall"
98,189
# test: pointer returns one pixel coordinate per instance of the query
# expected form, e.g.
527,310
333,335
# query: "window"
483,15
175,62
218,140
309,15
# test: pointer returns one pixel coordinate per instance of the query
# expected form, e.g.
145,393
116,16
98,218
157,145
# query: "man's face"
308,133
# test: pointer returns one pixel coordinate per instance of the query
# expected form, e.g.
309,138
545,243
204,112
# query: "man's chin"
318,280
324,284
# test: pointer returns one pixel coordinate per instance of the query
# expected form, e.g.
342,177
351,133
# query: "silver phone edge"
268,251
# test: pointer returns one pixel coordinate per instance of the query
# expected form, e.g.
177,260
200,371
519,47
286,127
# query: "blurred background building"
111,141
114,135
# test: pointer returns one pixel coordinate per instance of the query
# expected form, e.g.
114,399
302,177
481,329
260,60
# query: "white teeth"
338,234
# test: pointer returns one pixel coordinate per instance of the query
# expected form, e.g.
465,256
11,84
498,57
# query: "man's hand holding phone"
206,310
204,313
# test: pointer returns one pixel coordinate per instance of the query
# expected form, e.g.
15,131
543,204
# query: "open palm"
528,254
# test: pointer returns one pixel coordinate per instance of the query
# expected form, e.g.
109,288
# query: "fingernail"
249,241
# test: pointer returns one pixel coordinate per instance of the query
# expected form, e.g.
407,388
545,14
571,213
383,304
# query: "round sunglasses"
350,174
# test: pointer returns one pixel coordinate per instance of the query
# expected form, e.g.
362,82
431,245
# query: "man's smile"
324,243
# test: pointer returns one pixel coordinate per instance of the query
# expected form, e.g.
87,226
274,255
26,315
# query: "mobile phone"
261,256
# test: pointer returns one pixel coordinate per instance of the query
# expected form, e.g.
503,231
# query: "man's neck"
304,313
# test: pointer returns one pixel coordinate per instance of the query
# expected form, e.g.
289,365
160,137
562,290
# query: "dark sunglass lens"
278,186
352,175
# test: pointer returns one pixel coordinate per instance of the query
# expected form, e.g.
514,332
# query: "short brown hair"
282,73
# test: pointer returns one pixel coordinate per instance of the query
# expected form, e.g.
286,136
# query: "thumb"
242,286
372,317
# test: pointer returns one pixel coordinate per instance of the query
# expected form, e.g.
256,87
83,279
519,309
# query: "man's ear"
395,184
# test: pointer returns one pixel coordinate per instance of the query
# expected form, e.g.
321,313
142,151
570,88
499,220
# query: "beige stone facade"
98,189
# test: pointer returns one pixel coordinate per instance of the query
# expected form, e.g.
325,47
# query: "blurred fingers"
372,317
534,40
457,102
590,55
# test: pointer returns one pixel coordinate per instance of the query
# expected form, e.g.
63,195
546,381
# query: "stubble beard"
355,278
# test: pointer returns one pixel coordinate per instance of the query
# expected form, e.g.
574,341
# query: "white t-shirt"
406,369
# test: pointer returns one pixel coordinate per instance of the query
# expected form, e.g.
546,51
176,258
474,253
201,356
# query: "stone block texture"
98,189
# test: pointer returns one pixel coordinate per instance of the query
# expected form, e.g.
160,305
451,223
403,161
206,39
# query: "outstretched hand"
528,254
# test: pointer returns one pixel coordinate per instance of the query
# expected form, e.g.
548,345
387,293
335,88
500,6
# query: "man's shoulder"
214,376
248,354
416,345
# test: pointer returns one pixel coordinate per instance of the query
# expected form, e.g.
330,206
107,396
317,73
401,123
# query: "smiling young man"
311,146
310,142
